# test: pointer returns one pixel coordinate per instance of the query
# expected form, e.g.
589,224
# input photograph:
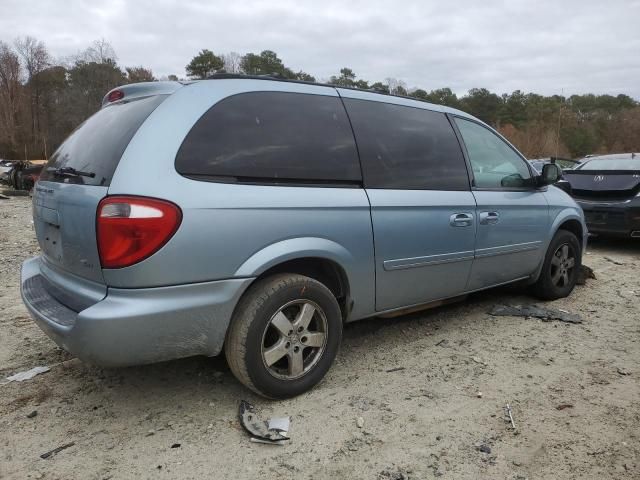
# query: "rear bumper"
619,218
136,326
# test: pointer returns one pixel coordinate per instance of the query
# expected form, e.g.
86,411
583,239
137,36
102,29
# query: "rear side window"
272,137
406,147
97,144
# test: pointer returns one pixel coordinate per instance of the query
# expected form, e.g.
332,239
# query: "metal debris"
56,450
268,442
397,369
509,415
279,424
544,313
564,406
260,429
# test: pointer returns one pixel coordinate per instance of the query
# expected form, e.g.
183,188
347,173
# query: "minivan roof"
144,89
277,78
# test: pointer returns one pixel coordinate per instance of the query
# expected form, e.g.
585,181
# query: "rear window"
406,147
97,144
272,137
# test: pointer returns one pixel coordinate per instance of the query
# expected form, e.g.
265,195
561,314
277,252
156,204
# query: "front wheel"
561,266
284,335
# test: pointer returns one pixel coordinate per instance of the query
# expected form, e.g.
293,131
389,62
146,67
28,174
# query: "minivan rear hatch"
77,177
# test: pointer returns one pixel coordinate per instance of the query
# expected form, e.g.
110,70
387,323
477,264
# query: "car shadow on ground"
190,382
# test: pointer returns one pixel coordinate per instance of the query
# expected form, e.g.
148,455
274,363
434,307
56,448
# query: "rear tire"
561,266
284,335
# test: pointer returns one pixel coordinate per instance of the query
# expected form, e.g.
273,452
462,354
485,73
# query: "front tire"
561,266
284,335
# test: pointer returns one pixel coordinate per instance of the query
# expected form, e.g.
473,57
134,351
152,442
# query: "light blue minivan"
256,216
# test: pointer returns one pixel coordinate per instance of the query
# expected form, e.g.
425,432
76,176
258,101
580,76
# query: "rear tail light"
130,229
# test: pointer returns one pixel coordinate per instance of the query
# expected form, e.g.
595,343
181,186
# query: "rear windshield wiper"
70,172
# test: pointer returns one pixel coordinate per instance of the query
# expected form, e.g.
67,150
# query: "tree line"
43,99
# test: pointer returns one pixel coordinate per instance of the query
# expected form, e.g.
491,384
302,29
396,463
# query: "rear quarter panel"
238,231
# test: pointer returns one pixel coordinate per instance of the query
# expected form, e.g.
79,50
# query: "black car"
563,163
607,187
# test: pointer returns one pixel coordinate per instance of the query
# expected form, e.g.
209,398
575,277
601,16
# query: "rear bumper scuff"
136,326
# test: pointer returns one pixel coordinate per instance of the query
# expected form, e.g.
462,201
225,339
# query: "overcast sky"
570,46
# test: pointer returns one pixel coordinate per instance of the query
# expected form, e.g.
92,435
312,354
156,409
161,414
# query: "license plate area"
51,241
598,218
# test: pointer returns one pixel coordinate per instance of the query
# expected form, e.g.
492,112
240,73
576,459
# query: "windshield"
627,163
97,145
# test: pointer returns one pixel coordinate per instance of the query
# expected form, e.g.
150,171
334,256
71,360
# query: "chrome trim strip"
507,249
428,260
602,203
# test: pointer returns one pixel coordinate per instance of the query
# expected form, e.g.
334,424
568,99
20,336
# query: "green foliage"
139,74
305,77
483,104
514,109
204,64
579,141
380,87
268,63
444,96
347,78
88,83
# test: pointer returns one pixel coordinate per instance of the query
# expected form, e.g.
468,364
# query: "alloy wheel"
562,265
294,339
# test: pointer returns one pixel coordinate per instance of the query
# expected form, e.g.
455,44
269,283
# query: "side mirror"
551,173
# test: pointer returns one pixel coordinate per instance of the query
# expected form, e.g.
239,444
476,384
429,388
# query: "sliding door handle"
461,220
489,218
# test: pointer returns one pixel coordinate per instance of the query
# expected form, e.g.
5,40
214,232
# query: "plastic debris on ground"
57,450
271,432
28,374
543,313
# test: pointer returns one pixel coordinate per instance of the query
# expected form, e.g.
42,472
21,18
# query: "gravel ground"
573,388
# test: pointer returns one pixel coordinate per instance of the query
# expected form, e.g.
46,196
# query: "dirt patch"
400,402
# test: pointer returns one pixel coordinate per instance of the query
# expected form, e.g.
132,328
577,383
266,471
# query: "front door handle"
461,220
489,218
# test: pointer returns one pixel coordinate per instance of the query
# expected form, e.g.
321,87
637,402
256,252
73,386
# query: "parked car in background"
607,187
5,168
23,174
256,216
563,163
